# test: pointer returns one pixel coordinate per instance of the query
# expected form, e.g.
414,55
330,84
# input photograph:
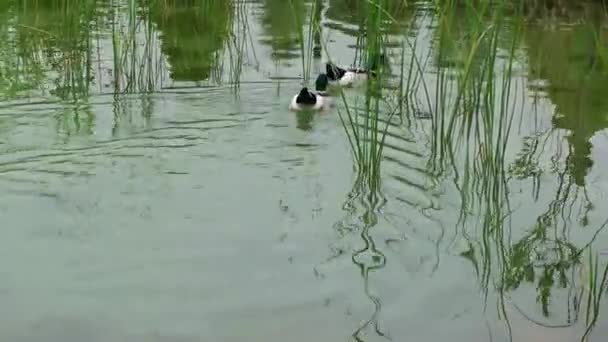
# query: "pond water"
155,186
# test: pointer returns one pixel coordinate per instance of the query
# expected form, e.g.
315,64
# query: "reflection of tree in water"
192,34
350,12
354,12
565,10
282,21
544,257
568,60
459,33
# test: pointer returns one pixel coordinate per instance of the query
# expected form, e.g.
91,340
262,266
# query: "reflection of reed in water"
21,69
59,35
362,209
77,119
137,66
131,113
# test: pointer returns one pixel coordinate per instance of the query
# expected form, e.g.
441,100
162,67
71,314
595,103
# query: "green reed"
476,108
362,122
597,285
474,111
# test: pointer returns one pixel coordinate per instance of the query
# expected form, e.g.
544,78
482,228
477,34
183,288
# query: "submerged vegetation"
471,89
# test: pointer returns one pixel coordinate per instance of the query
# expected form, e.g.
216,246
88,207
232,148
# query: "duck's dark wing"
334,72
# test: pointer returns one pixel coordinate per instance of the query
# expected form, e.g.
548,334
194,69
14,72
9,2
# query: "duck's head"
305,97
321,82
333,72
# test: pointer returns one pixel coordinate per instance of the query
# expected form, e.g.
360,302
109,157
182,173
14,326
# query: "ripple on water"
47,140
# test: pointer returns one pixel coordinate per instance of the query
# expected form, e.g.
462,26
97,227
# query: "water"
147,197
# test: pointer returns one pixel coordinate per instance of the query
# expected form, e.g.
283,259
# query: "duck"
348,77
318,99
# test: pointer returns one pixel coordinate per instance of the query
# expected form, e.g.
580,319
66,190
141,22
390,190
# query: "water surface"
155,187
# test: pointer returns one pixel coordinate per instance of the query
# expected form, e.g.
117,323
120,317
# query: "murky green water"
156,188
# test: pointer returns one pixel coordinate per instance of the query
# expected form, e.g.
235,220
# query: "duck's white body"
322,102
312,100
352,78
